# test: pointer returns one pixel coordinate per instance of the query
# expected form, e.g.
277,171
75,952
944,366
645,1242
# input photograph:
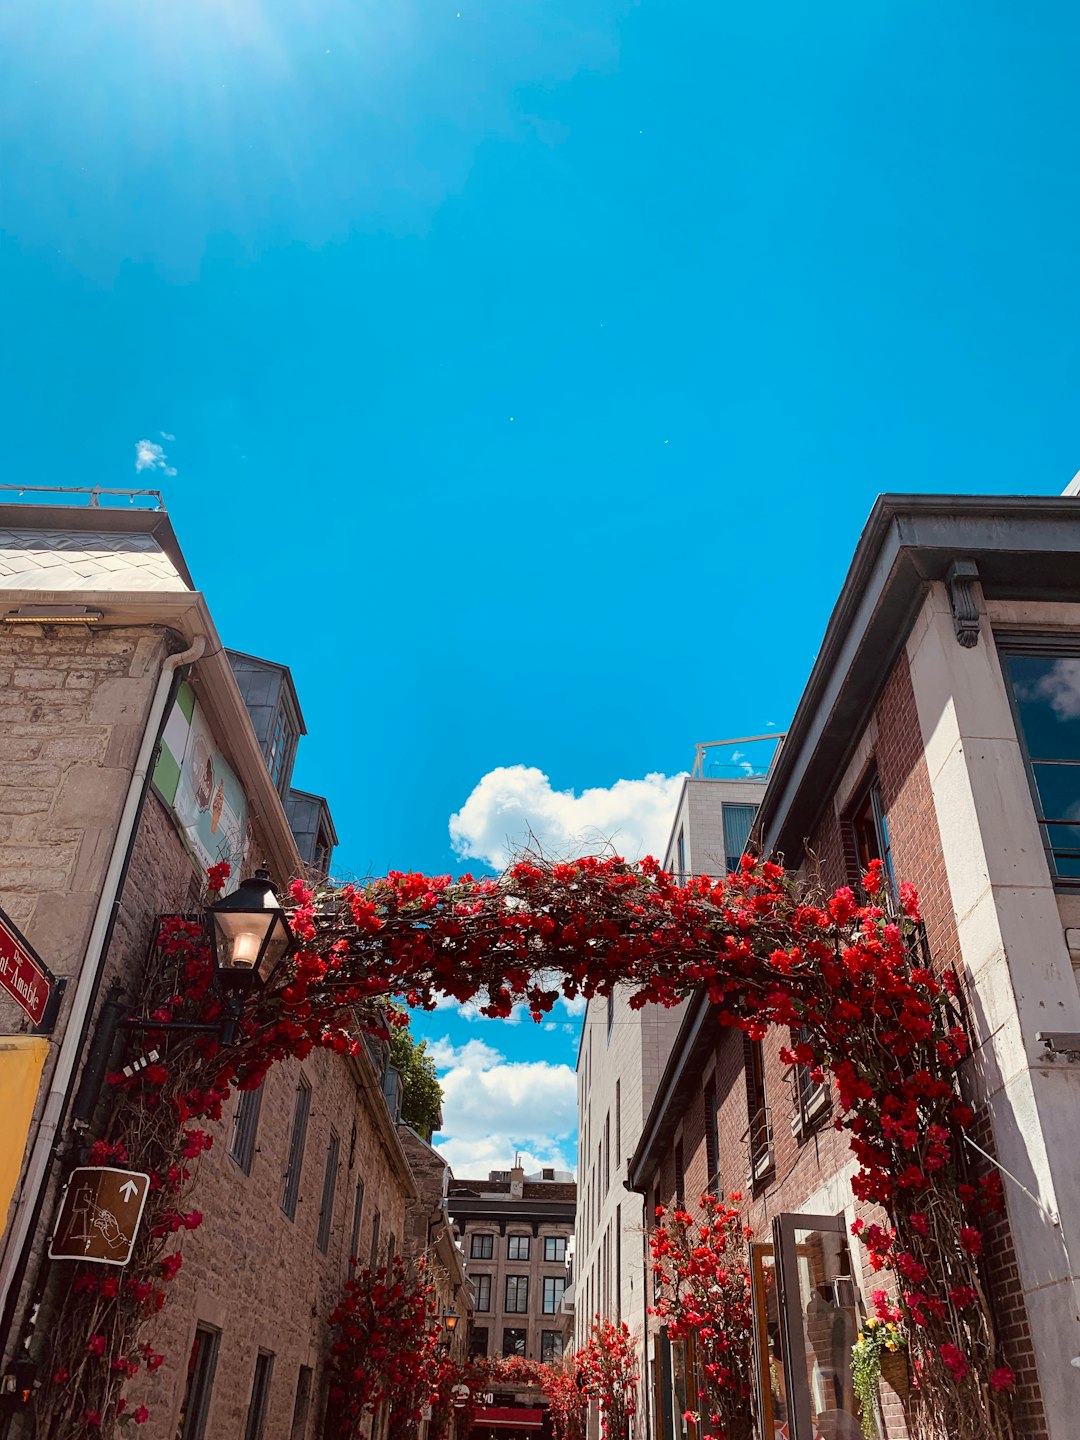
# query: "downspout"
47,1139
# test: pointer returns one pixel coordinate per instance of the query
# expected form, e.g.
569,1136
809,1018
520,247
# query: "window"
555,1247
738,821
513,1342
607,1152
478,1340
758,1133
290,1187
618,1122
811,1096
245,1126
302,1404
712,1138
483,1291
554,1285
517,1295
483,1247
551,1346
680,1175
816,1303
680,847
375,1226
280,751
357,1215
871,832
202,1363
517,1247
610,1012
260,1394
329,1184
1045,683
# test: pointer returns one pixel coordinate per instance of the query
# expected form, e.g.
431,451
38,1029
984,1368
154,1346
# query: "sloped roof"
51,560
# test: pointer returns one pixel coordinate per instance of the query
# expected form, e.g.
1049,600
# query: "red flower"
61,1375
1002,1378
970,1240
954,1359
96,1345
141,1415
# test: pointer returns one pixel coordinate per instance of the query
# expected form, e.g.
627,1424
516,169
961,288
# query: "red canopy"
509,1417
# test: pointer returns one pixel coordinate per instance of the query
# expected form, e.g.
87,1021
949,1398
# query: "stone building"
515,1232
937,732
621,1057
128,763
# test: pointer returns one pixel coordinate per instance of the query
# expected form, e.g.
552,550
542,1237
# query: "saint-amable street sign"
99,1215
23,976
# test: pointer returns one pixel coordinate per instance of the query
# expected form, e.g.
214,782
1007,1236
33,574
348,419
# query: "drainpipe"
47,1140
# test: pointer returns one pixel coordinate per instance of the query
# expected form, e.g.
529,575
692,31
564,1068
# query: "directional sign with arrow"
99,1215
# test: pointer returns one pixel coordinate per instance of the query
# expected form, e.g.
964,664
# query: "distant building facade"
515,1233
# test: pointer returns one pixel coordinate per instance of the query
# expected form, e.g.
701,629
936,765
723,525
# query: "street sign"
99,1215
23,975
460,1396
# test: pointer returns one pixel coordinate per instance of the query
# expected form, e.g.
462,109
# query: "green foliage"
874,1337
422,1095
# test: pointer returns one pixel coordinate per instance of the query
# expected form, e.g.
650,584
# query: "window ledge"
807,1121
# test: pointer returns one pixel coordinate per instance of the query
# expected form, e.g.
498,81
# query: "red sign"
22,974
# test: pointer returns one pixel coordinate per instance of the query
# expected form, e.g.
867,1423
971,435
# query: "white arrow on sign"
129,1190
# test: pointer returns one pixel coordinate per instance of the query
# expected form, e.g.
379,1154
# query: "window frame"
524,1341
259,1401
357,1220
1063,648
521,1289
199,1388
329,1192
483,1293
550,1354
555,1241
475,1343
245,1128
290,1181
556,1297
474,1253
510,1239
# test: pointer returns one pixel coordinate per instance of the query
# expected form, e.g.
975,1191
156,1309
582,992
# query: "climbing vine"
843,976
702,1289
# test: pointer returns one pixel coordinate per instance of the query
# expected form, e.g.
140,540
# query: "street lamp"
248,933
450,1319
249,936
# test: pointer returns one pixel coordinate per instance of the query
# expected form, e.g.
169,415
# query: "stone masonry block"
120,701
90,795
18,747
24,800
85,744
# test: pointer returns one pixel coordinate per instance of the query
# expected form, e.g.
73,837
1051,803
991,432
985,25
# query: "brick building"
621,1057
128,762
937,732
516,1233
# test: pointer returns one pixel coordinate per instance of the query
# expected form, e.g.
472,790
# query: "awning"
508,1417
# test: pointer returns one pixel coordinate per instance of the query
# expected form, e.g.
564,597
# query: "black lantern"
450,1319
249,934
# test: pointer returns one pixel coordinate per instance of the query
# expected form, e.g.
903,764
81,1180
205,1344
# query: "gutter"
681,1052
47,1138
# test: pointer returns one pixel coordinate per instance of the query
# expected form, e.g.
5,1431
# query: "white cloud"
494,1107
166,436
149,455
515,805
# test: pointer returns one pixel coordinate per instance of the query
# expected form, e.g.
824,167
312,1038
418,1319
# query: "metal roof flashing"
908,542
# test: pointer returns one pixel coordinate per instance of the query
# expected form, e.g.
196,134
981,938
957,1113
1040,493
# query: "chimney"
517,1182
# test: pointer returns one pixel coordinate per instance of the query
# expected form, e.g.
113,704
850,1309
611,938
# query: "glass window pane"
830,1325
1059,796
1047,691
738,821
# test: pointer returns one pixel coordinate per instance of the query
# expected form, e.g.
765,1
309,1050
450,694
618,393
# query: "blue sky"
533,364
